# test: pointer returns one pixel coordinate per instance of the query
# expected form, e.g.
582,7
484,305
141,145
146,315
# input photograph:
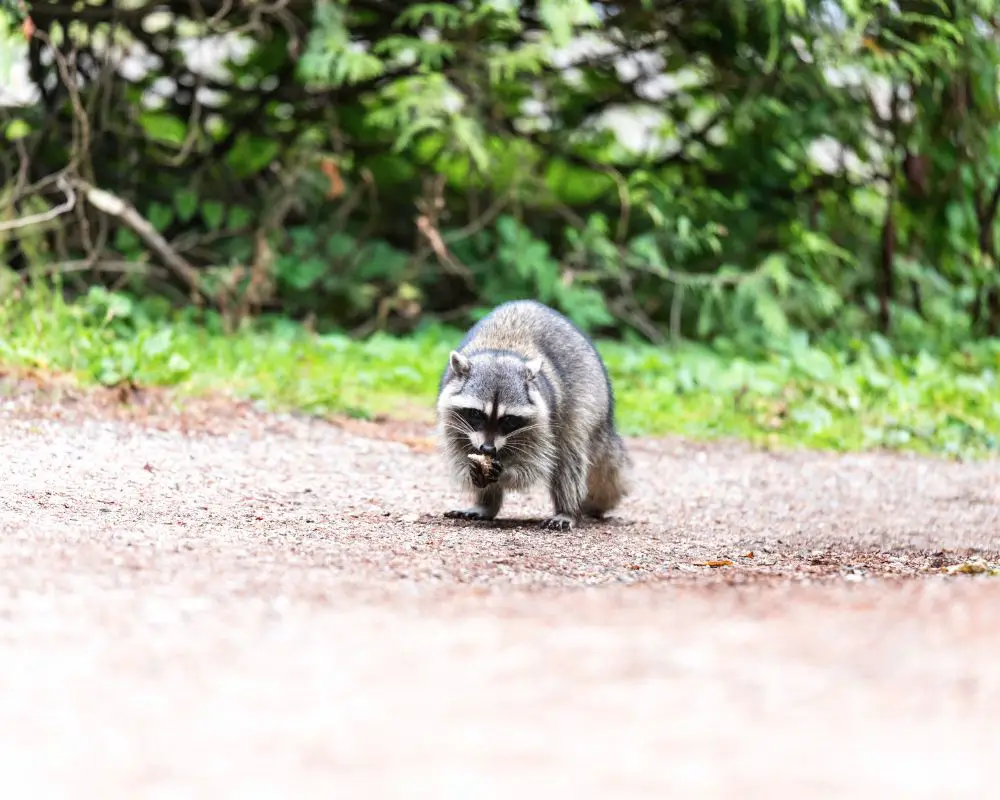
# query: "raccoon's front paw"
476,512
560,522
484,470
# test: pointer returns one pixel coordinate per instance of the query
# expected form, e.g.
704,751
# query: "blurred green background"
778,218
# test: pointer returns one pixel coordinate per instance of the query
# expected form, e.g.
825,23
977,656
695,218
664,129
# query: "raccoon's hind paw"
476,512
560,522
594,512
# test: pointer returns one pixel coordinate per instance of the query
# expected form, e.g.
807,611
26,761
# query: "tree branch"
45,216
117,207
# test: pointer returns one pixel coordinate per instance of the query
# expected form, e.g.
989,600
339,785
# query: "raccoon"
526,387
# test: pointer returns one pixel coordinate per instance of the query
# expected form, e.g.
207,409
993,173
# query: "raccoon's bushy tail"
607,479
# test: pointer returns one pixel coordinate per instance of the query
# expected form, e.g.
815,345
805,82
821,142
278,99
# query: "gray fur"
529,359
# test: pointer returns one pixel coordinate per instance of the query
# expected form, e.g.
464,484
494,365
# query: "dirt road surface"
226,604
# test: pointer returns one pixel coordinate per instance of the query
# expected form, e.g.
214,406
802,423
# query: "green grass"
855,397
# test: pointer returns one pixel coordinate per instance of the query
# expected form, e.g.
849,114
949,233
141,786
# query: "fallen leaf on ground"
748,555
420,444
975,566
722,562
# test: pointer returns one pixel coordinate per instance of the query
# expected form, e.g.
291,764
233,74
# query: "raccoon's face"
491,404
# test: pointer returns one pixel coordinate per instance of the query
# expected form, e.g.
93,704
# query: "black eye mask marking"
473,416
510,423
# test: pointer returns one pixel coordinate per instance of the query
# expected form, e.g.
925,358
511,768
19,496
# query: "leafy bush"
374,166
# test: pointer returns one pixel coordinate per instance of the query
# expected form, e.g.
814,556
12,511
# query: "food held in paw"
485,469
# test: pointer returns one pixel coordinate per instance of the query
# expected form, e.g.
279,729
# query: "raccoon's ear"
532,368
459,364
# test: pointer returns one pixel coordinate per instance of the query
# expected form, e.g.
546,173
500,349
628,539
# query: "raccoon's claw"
468,513
560,522
479,480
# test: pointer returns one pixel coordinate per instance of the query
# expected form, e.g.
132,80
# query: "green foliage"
401,163
163,127
510,263
849,395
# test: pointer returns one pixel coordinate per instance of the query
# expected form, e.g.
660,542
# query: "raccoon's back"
532,329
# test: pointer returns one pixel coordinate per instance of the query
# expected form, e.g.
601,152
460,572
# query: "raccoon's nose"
488,449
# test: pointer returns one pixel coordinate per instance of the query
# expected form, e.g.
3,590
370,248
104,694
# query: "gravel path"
218,603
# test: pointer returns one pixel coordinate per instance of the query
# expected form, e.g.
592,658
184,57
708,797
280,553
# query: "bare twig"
193,125
621,232
279,10
219,15
373,204
45,216
676,308
638,321
430,207
111,204
24,164
111,266
80,147
37,186
354,197
433,237
480,222
627,308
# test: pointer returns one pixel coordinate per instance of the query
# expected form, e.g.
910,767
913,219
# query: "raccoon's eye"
509,424
473,416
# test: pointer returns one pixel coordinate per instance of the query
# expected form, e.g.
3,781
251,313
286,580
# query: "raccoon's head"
494,403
